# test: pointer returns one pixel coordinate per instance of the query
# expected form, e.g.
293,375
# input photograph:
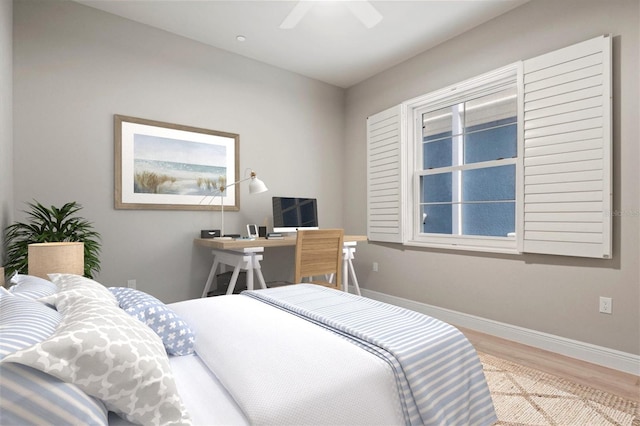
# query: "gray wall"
552,294
75,67
6,121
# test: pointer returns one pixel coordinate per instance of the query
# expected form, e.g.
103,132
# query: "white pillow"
110,355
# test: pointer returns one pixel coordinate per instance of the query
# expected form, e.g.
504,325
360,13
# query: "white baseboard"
610,358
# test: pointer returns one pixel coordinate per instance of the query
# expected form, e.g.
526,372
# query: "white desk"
247,254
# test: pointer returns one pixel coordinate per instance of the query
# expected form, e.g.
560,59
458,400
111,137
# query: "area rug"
525,396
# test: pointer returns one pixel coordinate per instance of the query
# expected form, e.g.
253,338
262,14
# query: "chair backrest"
318,253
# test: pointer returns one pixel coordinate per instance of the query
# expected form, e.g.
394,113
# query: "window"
516,160
468,174
464,164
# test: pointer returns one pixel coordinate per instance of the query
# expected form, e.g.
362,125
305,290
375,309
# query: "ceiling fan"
361,9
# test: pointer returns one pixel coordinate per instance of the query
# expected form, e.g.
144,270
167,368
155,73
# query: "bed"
75,352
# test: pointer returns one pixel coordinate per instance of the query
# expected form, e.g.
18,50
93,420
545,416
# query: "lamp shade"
50,258
257,186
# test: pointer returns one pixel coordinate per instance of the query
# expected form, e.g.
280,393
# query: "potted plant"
47,225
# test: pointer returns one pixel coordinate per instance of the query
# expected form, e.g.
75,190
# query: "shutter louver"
567,151
384,176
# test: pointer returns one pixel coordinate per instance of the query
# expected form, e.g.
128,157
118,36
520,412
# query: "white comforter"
283,370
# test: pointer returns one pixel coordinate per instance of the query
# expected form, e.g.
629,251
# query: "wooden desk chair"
318,253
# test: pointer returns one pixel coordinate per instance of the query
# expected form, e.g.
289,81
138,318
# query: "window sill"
465,247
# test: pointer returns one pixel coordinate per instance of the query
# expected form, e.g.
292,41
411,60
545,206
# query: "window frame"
477,86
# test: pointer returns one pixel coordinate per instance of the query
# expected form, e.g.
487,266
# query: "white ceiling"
329,44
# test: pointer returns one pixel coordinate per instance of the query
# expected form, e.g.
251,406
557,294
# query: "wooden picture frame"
166,166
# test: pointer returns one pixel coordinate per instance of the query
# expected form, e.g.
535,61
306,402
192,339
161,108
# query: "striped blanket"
436,368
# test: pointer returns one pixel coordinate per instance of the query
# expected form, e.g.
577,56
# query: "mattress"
284,370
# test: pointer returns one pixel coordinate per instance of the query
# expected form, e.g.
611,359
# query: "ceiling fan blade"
296,14
365,12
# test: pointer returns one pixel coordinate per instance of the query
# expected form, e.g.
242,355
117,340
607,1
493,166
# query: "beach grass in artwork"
179,167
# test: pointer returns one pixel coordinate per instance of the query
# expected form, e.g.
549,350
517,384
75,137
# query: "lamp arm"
224,187
222,214
261,187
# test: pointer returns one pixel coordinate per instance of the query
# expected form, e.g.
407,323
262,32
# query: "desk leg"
348,269
234,277
250,269
258,270
329,277
211,276
352,272
345,274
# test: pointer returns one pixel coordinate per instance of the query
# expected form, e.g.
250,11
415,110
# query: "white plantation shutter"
385,176
567,151
564,182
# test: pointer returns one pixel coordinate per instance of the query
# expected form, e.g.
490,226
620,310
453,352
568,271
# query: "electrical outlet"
374,267
131,284
605,305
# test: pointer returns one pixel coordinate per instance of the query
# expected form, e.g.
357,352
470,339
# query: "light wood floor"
611,381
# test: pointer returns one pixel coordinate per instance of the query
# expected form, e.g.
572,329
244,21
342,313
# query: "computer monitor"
292,213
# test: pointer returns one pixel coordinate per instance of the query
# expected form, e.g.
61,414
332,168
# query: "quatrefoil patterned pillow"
177,337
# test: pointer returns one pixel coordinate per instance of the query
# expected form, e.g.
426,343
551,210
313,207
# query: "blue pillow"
32,287
24,322
177,337
29,396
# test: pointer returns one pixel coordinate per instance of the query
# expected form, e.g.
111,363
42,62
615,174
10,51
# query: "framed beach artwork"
173,167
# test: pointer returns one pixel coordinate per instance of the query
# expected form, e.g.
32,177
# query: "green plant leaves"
51,225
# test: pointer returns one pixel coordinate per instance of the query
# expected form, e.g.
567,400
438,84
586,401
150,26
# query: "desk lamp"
256,186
